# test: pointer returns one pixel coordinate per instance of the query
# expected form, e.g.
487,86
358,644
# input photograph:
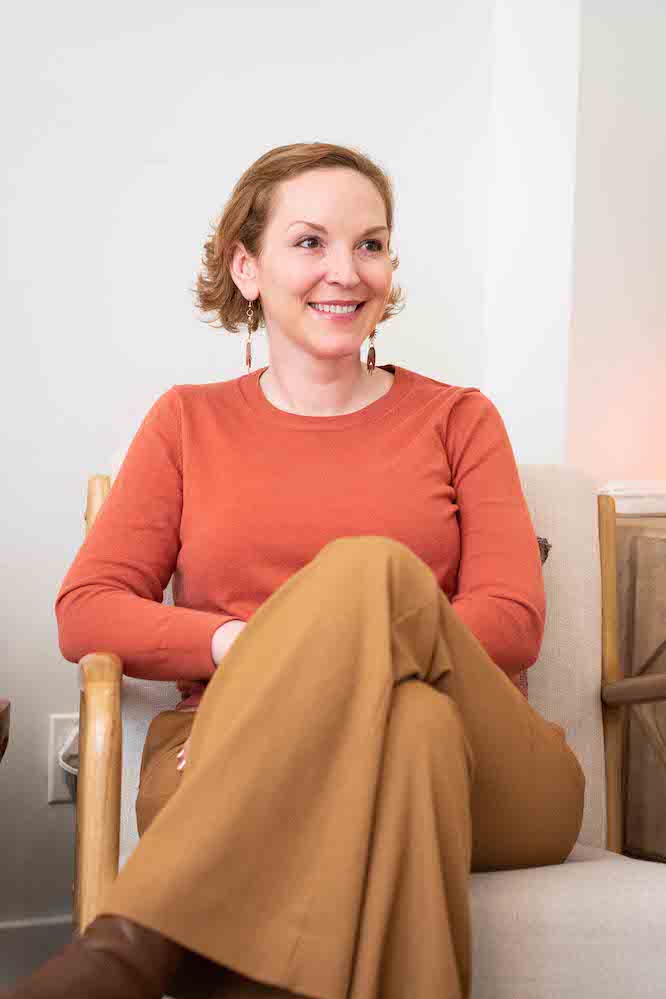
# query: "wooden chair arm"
635,689
98,783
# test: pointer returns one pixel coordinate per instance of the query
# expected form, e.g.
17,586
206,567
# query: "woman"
352,547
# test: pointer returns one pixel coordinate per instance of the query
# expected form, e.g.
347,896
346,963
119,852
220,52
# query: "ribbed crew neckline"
253,395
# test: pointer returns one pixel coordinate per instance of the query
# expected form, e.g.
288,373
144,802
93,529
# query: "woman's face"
302,264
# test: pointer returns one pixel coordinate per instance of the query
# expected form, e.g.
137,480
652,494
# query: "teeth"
334,308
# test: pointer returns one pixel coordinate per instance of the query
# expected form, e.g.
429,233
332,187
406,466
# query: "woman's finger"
182,754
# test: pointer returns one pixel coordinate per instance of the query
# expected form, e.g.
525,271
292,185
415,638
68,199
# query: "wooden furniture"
581,928
641,556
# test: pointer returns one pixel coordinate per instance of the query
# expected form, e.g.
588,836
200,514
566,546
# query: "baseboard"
25,944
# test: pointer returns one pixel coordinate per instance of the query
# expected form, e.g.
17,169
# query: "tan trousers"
354,757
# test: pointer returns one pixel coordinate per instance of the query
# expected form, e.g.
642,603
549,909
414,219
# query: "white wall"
617,385
126,129
531,189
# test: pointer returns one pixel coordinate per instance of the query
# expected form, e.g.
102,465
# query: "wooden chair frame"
100,729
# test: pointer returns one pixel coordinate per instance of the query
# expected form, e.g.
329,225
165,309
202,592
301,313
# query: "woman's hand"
222,641
224,638
182,754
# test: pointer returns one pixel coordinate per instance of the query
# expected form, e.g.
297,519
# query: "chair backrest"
564,683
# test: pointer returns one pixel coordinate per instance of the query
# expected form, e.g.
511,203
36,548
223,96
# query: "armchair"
589,927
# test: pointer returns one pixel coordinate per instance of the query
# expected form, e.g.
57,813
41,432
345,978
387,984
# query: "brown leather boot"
199,978
114,958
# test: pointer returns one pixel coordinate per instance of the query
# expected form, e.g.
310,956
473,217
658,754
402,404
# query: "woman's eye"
306,239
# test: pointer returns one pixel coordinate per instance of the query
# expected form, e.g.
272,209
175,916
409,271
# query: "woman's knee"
415,586
426,717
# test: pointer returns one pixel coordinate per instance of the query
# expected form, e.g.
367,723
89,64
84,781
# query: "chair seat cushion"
592,927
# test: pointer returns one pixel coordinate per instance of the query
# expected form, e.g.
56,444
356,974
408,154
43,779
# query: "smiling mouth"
358,308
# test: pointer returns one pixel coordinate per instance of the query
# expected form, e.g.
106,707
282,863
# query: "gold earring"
250,329
371,353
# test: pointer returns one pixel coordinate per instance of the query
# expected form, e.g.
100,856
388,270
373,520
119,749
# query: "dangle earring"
250,330
371,353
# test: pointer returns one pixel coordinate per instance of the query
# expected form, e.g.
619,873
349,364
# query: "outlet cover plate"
60,727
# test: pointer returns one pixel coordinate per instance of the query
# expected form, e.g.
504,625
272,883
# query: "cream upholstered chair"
590,927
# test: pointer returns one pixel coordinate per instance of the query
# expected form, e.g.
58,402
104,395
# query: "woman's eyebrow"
321,228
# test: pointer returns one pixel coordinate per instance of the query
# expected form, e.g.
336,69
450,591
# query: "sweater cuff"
188,642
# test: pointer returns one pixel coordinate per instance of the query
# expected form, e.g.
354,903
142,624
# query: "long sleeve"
111,597
500,593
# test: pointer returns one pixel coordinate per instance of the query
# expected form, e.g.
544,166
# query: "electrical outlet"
60,727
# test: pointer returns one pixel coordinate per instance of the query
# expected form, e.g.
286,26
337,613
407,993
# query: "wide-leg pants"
356,755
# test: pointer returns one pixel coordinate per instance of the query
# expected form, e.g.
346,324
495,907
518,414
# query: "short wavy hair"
248,211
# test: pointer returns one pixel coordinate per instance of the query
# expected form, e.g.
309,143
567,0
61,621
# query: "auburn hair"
248,211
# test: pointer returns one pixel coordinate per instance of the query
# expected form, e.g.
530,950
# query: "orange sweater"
232,496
